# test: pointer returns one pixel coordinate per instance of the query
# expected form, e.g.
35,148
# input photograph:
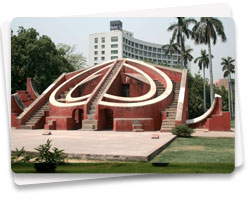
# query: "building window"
114,45
113,57
132,44
141,46
95,63
96,40
114,51
154,49
136,45
159,50
103,52
103,46
114,39
150,48
96,47
95,58
96,52
103,39
145,47
103,58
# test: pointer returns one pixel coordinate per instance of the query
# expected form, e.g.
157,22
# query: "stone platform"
95,145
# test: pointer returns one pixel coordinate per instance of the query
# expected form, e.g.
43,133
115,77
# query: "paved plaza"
102,145
106,145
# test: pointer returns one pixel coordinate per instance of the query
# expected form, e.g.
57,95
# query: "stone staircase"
171,110
63,96
160,88
37,119
91,123
137,127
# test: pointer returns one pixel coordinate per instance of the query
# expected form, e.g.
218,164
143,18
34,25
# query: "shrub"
20,156
48,158
182,131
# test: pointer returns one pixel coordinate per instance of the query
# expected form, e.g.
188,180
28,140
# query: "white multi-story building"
119,43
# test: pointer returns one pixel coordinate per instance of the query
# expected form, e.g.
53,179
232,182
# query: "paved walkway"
95,144
206,133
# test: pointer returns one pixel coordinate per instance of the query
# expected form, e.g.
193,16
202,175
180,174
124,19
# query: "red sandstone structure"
123,95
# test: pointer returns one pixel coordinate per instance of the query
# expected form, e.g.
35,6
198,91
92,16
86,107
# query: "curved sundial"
127,67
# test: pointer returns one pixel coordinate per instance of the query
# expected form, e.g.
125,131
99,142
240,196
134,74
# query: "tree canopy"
36,56
195,91
77,60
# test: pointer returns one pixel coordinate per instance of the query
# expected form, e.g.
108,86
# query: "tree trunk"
229,96
181,39
171,61
204,91
210,73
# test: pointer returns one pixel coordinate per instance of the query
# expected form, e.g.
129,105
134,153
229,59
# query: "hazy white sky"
76,31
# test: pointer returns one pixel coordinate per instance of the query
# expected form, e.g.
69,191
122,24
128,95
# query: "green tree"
37,57
228,67
170,49
206,31
195,95
203,62
77,60
180,30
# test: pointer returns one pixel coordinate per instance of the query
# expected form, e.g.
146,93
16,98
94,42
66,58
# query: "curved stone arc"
18,101
54,102
163,96
205,115
71,99
33,88
147,96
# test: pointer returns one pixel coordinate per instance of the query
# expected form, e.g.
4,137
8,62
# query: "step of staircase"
138,130
26,127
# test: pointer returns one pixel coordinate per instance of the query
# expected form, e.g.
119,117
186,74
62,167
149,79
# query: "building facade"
119,43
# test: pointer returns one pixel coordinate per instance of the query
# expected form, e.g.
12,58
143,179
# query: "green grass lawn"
198,150
184,155
232,123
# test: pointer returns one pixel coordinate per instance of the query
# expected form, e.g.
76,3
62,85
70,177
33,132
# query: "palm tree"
206,31
170,48
181,29
203,62
228,67
187,56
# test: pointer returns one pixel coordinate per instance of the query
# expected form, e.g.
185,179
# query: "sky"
76,31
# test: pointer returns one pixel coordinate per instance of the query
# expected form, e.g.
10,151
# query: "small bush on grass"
48,158
20,156
182,131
